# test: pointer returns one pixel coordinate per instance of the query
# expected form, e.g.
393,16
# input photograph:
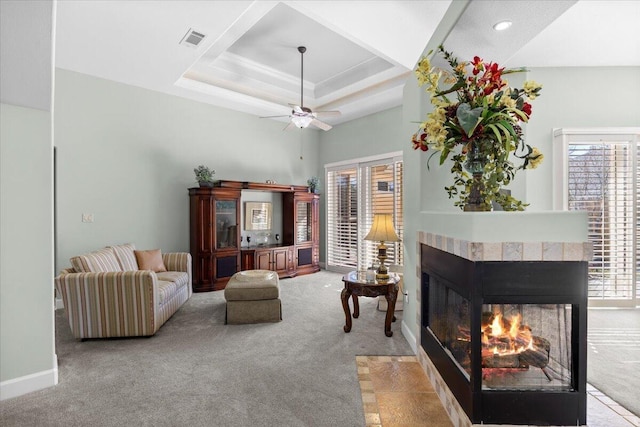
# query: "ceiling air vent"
192,38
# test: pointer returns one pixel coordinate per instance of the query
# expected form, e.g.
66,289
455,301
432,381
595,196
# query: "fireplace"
507,337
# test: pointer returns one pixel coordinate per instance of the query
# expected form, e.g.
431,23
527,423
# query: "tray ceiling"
359,53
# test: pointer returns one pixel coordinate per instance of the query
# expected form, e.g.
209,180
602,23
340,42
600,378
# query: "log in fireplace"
507,337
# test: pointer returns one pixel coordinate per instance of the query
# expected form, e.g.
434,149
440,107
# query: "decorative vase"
475,166
205,183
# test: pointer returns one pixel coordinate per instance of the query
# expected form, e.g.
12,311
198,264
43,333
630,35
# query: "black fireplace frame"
509,282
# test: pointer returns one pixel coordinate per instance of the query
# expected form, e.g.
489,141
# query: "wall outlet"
87,217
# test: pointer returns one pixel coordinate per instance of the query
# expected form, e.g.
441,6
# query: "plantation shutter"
355,192
342,222
602,179
381,192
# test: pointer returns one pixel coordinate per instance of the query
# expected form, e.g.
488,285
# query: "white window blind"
355,192
342,220
602,179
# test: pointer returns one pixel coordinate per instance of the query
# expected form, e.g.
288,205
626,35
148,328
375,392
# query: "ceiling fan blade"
328,113
289,126
321,125
272,117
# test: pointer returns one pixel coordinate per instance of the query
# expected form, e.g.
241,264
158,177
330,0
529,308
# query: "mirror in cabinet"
226,224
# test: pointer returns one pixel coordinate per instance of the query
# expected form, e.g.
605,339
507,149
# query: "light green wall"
127,154
164,137
577,97
26,243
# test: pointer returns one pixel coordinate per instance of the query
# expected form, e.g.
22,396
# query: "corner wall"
27,340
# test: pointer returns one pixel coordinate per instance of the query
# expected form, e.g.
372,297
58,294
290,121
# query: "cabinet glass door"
226,225
303,222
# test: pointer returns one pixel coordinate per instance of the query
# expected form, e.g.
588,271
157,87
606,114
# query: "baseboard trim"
29,383
411,339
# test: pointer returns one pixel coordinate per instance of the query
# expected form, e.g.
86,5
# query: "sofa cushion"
150,260
126,257
101,261
166,290
178,277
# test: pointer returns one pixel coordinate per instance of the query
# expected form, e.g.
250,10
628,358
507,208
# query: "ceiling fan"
302,116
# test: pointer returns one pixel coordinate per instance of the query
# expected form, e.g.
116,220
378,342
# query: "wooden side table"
355,285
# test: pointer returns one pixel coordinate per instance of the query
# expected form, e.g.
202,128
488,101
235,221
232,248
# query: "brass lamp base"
382,278
382,274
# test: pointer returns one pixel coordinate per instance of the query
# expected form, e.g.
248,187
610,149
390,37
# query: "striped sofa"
106,295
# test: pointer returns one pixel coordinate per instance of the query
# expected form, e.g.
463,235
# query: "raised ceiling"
359,53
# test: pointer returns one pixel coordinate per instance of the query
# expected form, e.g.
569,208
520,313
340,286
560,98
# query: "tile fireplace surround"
480,237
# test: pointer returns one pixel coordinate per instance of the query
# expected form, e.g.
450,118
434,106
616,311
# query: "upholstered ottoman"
253,296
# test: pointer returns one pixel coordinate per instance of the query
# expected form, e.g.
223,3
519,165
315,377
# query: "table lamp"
382,231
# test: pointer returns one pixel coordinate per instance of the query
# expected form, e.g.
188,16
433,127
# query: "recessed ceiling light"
502,25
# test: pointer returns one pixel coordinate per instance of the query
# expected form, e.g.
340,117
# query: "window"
600,176
357,190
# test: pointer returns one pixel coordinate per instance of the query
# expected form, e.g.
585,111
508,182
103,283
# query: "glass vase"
475,166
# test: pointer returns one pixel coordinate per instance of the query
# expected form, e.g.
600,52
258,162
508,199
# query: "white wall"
27,353
127,154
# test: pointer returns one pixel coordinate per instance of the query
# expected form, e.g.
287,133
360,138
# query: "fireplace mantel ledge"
508,236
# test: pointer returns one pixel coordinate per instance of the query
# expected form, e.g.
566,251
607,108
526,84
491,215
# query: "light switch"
87,217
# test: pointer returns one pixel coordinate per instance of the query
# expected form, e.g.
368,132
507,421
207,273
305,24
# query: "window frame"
363,220
562,139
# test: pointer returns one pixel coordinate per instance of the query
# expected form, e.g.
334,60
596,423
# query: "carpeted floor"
196,371
303,371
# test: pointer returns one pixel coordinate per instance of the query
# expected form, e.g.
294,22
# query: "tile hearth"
397,392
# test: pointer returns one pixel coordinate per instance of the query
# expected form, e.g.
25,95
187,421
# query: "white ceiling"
359,53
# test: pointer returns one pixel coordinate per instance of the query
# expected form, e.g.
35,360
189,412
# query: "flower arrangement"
480,129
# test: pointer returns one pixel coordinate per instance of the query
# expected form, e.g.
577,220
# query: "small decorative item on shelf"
313,184
204,176
480,129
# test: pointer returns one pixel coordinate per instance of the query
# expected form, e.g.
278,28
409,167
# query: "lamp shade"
382,229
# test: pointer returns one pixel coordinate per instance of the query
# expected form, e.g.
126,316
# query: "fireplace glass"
524,346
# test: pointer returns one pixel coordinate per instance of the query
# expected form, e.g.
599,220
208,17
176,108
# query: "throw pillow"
150,260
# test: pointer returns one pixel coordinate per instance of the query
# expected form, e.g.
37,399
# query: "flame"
503,337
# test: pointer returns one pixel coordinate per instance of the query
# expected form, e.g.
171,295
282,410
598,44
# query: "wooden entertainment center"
215,234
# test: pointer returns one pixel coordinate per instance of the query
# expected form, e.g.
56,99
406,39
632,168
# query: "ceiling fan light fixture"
502,25
302,121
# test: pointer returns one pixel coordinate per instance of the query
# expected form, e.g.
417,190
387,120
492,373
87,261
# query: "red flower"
526,108
478,65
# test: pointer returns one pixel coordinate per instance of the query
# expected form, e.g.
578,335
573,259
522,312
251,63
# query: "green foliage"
204,174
